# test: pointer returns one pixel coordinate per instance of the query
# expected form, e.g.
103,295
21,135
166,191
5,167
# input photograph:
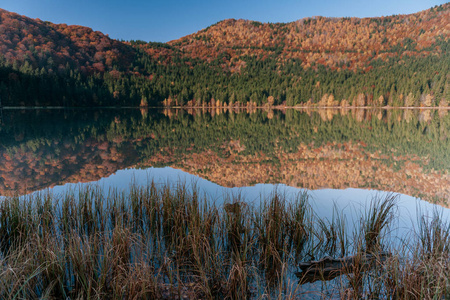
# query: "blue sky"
166,20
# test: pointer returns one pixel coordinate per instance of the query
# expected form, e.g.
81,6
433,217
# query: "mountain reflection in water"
402,151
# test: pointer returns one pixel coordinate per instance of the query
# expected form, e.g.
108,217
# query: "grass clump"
170,243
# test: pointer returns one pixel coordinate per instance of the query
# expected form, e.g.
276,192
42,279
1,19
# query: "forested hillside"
337,43
398,60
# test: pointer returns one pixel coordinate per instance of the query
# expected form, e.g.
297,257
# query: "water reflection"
402,151
324,202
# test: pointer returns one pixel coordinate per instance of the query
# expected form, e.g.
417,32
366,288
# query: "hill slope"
398,61
338,43
43,44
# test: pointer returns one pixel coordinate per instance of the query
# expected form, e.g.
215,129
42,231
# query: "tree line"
400,81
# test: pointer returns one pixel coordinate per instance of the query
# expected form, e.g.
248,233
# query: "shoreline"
275,107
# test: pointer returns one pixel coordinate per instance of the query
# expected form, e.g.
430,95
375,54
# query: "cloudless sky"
165,20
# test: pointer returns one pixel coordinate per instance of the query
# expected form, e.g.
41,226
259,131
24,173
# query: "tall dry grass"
171,243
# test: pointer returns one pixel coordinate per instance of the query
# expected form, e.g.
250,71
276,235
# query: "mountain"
337,43
397,60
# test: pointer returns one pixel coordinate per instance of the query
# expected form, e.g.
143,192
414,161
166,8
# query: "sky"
165,20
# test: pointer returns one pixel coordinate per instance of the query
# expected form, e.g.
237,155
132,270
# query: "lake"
342,159
401,151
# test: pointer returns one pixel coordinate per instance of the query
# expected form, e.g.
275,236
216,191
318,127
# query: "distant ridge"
337,43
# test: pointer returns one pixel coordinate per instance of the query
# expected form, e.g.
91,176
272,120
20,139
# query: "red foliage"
334,42
22,38
337,43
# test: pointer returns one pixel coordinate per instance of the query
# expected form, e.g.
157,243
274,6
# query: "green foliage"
183,79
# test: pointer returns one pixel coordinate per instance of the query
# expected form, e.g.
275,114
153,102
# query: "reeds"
170,243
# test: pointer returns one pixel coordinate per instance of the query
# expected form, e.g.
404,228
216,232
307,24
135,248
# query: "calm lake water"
343,159
341,155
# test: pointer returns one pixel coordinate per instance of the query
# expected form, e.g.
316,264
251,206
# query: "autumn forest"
399,60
